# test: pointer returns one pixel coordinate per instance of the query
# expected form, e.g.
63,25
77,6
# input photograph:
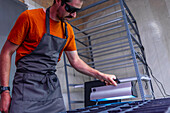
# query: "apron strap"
66,32
48,20
48,23
49,80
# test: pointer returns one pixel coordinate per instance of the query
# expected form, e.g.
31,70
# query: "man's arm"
5,64
82,67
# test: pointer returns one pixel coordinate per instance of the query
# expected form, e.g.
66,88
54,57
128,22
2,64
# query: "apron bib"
36,88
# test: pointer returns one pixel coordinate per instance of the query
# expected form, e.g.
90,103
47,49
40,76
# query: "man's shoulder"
34,11
35,14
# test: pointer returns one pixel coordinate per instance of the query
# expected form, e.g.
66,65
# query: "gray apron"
36,88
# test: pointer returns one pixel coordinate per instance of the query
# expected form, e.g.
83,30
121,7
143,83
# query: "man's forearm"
5,61
82,67
5,64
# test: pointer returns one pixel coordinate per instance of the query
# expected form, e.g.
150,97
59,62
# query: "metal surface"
145,78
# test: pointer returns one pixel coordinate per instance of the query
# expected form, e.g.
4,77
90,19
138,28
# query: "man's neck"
53,14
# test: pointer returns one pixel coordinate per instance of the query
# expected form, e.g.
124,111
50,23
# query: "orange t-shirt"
30,28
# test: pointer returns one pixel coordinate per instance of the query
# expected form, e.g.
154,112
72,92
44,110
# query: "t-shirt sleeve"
71,44
20,29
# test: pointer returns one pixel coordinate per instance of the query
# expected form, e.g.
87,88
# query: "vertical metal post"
132,51
142,49
144,57
67,83
91,52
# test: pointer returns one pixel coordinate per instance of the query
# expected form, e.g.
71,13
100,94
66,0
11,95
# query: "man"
39,37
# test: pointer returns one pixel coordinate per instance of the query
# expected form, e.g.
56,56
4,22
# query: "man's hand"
108,79
5,102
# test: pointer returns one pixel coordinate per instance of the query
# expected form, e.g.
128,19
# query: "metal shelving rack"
110,42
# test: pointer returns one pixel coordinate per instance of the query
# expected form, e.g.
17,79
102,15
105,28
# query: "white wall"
32,5
153,18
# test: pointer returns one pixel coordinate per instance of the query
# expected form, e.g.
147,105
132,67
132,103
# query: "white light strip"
114,98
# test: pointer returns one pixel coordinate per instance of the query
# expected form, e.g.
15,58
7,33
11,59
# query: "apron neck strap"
48,20
48,23
66,33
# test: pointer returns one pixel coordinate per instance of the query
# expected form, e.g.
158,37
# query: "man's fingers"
108,79
112,82
102,80
3,110
5,102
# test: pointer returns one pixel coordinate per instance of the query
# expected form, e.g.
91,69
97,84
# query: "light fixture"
110,92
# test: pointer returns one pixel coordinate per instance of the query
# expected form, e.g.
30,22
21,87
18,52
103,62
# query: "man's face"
68,10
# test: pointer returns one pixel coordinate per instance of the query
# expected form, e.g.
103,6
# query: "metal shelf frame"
123,36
